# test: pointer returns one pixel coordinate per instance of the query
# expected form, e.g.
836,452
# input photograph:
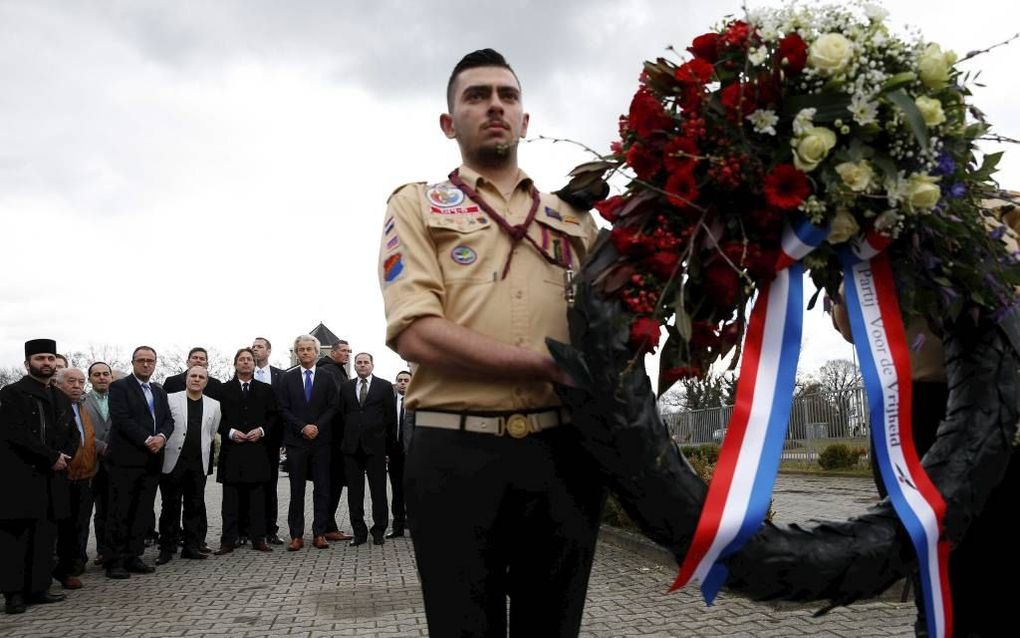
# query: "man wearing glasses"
140,426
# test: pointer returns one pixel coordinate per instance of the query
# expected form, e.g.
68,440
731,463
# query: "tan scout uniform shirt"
442,256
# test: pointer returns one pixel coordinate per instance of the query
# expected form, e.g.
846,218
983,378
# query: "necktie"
244,388
364,391
259,374
77,419
308,386
152,406
400,417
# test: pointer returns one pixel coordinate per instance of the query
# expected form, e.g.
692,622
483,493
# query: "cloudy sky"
182,173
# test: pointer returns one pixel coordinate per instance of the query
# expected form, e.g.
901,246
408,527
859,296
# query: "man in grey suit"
97,404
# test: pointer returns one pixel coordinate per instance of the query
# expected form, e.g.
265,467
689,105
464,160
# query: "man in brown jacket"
73,531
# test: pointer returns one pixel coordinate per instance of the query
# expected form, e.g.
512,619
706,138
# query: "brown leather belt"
515,425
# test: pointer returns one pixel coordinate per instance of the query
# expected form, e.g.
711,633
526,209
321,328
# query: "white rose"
856,175
933,66
842,227
931,110
812,147
830,53
887,223
922,192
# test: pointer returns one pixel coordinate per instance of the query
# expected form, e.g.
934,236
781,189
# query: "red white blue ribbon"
741,488
877,326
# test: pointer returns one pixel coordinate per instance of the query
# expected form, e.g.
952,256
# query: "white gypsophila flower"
863,110
757,56
764,121
875,12
888,223
804,121
896,189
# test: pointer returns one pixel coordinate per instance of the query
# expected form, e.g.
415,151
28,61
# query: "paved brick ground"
373,591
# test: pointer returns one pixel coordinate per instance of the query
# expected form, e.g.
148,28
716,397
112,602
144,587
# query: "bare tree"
840,379
11,374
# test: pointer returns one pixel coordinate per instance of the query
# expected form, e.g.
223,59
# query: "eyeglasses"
147,362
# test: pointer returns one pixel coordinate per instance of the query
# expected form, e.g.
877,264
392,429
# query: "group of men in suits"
112,447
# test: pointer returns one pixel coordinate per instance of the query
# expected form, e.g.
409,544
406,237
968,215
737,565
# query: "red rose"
738,98
706,47
697,72
630,242
608,207
682,189
677,154
669,376
663,263
690,97
644,335
736,33
786,187
792,49
645,161
647,115
722,284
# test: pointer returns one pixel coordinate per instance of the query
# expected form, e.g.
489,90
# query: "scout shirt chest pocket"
466,247
561,236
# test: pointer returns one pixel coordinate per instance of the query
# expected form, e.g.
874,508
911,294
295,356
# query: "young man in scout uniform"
473,272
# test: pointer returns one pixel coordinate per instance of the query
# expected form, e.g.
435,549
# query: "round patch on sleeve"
463,255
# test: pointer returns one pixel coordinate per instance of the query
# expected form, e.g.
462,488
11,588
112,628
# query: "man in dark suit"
38,437
336,364
141,426
197,356
97,405
266,373
395,456
369,414
249,416
308,404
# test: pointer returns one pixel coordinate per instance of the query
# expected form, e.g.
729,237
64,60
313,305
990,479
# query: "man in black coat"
308,404
270,374
336,364
395,441
197,356
140,426
38,437
249,416
369,415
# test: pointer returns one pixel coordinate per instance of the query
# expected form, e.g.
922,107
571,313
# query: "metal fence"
815,421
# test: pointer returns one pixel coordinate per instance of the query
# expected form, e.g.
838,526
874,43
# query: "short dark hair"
63,358
367,354
340,342
407,372
473,60
198,349
241,350
149,348
100,363
269,346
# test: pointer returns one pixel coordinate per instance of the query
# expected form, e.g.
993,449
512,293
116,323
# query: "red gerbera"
679,154
645,161
631,242
647,115
737,34
644,335
706,47
697,72
738,98
792,49
682,189
786,187
608,207
663,263
722,284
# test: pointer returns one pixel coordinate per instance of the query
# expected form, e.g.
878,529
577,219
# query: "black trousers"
357,466
132,498
302,462
395,467
73,531
272,505
26,548
182,489
250,499
495,517
101,496
337,481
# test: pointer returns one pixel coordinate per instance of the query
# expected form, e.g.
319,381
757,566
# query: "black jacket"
296,412
246,462
131,424
367,426
178,383
31,490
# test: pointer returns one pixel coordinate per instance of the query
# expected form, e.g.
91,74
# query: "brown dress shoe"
260,546
338,536
224,549
70,583
320,542
295,544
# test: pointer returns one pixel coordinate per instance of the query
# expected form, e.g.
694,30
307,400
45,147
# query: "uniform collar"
475,180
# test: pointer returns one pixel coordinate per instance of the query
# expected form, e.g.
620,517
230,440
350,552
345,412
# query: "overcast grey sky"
183,173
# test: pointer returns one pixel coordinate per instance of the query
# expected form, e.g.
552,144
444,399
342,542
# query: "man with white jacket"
186,465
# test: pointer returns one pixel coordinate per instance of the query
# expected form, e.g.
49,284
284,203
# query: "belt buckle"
517,426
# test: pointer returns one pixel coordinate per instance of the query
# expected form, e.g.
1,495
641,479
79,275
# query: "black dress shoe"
205,549
137,566
117,573
44,598
193,554
242,540
164,557
358,541
396,533
378,540
15,604
274,540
